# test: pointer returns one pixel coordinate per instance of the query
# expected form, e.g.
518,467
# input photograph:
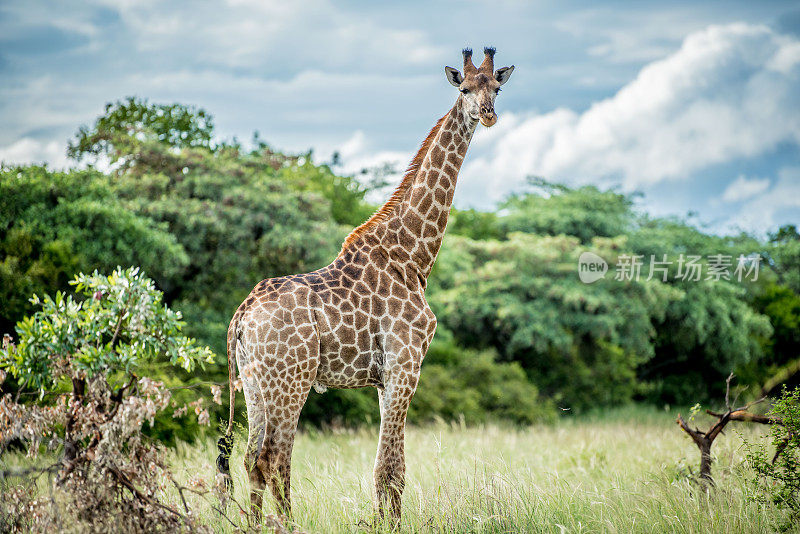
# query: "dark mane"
408,178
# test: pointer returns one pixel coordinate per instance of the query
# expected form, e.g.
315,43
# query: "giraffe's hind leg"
280,338
289,361
257,482
256,422
276,457
285,392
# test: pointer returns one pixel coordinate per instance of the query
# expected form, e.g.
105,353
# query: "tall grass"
625,472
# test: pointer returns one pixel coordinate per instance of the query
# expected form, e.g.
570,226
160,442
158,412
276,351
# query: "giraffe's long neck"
418,223
410,226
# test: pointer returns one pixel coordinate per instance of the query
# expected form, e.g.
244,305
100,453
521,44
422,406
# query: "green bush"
463,383
119,330
119,325
778,470
85,360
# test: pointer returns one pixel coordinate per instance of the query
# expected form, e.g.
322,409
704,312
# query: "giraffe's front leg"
390,468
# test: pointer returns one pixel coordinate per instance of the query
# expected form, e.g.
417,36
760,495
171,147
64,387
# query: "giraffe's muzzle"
488,117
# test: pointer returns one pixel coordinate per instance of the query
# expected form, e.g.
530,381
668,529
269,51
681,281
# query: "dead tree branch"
747,417
704,440
125,481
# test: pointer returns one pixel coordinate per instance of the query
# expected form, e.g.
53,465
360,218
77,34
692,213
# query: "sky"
695,105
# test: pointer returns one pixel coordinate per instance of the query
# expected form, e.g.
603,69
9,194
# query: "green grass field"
623,472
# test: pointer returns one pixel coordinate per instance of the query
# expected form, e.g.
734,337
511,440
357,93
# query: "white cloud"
27,150
258,36
358,156
787,58
765,211
729,92
743,188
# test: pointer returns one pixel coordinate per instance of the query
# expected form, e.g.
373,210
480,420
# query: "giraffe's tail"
225,443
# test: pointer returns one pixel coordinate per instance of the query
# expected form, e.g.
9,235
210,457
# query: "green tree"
53,224
783,255
134,119
781,361
712,326
474,224
580,344
664,341
237,219
345,194
782,306
553,209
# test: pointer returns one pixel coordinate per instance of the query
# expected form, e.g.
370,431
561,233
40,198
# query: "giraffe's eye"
464,91
496,91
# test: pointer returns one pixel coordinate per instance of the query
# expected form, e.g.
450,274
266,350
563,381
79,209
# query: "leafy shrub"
464,383
778,475
81,359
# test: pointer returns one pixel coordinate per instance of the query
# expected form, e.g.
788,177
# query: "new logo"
591,267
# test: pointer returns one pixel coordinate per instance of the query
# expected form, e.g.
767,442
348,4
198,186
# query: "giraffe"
361,321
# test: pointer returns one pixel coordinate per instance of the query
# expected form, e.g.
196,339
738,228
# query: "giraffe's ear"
453,76
502,75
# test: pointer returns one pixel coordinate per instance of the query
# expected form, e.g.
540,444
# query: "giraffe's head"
479,85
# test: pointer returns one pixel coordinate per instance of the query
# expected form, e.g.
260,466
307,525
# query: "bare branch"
728,391
180,492
205,383
714,431
120,476
745,416
750,404
704,440
695,434
24,473
114,338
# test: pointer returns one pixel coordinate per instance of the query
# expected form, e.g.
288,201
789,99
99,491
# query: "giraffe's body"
361,321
